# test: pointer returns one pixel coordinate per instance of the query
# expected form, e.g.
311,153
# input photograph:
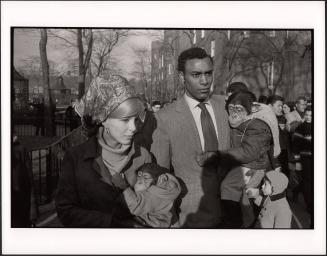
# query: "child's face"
266,188
143,181
308,116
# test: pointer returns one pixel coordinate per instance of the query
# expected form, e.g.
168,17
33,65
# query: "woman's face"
286,109
122,123
120,130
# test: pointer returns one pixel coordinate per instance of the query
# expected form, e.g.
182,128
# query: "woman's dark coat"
87,195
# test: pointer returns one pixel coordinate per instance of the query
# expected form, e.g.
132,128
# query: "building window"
162,60
155,56
272,33
194,36
202,33
159,64
246,34
212,49
162,76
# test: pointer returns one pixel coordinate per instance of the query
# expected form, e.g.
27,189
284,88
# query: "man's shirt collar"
192,103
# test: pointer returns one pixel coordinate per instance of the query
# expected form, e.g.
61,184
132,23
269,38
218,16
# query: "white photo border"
148,14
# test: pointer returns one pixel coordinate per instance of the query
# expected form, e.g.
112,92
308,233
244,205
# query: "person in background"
143,135
263,99
287,108
39,118
24,209
155,106
302,142
296,117
276,104
72,117
95,173
285,146
195,123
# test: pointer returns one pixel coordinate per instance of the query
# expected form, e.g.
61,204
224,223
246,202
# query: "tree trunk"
83,63
48,114
81,70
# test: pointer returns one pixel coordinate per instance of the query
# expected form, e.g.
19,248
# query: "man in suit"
182,134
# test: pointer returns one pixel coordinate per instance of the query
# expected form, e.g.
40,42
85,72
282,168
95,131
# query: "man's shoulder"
168,110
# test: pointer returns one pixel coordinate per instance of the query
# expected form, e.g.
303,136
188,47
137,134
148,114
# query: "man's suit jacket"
176,143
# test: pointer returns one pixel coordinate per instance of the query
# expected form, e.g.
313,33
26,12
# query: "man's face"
143,181
155,108
277,107
301,105
198,77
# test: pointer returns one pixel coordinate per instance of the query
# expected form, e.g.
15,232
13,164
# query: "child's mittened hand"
252,192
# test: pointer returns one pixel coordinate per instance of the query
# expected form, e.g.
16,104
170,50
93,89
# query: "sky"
26,45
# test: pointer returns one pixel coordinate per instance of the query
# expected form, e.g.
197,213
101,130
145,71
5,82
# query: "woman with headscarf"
95,173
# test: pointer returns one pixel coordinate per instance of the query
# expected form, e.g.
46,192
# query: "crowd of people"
202,161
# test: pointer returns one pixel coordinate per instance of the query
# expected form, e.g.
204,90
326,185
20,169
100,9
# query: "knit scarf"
114,159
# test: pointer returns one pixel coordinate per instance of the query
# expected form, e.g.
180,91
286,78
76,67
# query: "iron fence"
33,126
46,163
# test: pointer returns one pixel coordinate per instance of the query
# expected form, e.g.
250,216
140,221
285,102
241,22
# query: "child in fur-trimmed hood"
275,211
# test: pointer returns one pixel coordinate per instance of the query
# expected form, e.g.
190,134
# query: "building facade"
275,60
19,90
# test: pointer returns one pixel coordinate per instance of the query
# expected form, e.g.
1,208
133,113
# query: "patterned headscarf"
103,96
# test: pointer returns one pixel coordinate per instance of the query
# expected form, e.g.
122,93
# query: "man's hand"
207,158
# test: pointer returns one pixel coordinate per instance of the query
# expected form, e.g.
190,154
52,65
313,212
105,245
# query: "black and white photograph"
167,129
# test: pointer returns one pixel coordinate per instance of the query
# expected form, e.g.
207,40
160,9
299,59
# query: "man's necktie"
208,129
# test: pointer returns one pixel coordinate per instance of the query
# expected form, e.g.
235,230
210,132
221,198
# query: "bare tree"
142,66
82,40
83,58
104,43
48,103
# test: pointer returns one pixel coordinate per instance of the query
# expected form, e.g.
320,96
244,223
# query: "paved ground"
300,220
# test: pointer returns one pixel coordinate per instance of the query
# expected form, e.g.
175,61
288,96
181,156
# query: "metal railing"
33,126
46,163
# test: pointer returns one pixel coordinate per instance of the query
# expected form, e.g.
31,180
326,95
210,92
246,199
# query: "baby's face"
143,181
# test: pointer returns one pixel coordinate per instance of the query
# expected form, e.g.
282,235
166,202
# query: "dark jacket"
87,195
22,196
252,145
302,139
144,135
